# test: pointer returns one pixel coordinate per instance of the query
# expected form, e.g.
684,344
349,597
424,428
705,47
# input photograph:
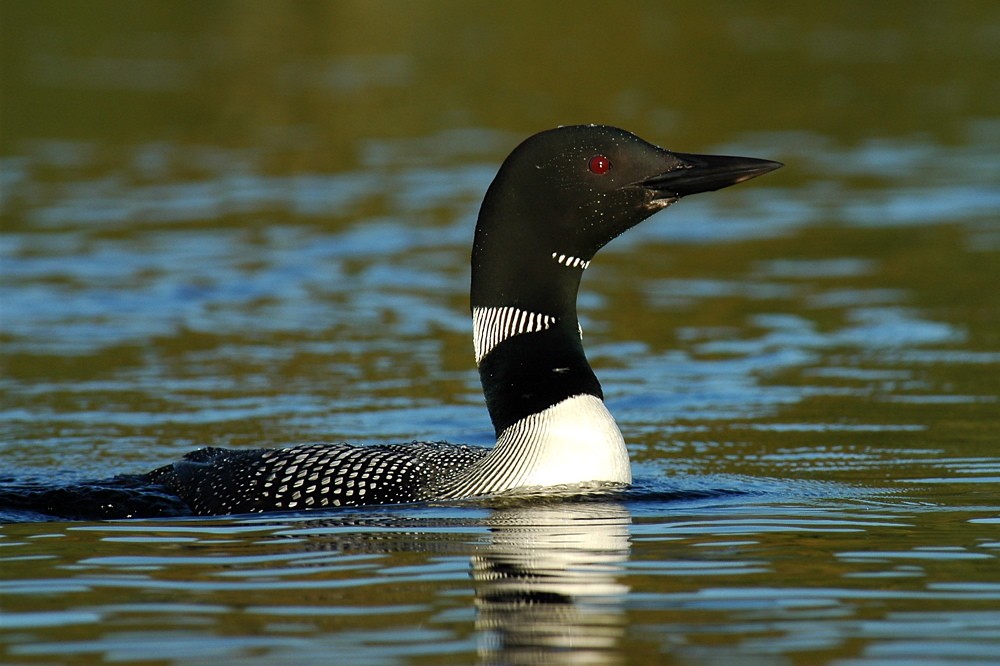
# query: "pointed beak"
705,173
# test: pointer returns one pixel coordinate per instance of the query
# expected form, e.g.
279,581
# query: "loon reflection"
547,583
548,588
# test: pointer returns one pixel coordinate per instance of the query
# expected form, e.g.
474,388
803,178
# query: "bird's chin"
659,204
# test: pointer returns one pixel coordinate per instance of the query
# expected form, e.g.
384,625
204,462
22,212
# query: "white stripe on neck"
491,326
567,260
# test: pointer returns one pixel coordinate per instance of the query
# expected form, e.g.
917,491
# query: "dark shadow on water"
125,496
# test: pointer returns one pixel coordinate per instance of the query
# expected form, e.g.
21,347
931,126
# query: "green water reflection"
315,77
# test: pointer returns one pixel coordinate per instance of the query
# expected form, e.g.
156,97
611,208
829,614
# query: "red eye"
600,164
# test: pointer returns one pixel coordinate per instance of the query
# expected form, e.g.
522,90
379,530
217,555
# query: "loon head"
563,194
557,199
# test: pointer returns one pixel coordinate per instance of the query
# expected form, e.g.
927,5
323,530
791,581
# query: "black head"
563,194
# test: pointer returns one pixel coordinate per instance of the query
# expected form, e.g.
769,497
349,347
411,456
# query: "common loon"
557,199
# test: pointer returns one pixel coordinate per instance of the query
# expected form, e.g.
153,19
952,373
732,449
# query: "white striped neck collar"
493,325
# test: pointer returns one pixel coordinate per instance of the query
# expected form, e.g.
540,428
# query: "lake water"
249,225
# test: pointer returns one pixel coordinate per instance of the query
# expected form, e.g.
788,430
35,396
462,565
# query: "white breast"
572,442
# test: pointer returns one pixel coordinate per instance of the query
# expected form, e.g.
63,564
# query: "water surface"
251,227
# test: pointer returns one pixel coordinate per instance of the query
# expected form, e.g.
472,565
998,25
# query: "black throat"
520,277
557,199
529,372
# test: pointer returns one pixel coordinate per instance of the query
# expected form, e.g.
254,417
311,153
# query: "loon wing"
216,481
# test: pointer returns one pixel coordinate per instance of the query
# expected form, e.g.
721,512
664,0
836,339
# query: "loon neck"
545,401
529,361
526,334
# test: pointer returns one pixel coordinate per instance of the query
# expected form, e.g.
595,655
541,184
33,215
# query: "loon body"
557,199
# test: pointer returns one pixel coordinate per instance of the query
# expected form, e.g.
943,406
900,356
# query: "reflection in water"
547,588
249,225
546,583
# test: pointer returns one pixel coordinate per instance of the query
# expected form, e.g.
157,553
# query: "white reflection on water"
549,586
